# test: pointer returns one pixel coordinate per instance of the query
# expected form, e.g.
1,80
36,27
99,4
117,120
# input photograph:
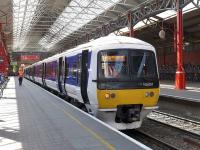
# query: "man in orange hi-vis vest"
20,75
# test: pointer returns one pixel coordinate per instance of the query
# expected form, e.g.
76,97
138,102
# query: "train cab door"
60,74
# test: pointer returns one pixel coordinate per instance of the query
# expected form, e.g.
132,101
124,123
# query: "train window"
74,71
48,70
54,70
114,65
127,68
143,64
79,69
40,71
51,70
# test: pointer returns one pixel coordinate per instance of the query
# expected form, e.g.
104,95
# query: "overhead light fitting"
162,32
186,43
7,30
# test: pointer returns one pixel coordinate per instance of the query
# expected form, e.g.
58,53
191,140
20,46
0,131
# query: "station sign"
30,57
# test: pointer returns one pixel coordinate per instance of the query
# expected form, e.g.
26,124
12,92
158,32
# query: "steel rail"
181,123
149,140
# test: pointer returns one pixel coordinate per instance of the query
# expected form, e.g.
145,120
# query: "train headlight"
151,94
107,95
112,95
147,94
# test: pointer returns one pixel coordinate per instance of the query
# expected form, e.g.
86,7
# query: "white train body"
82,73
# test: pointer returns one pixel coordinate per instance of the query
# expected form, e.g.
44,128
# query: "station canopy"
48,25
40,25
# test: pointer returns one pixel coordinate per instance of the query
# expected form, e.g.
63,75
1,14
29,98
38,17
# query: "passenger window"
79,69
74,71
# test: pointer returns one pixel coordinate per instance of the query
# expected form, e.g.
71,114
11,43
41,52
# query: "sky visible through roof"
23,12
76,15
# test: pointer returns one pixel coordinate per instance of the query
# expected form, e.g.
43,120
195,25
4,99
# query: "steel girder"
145,10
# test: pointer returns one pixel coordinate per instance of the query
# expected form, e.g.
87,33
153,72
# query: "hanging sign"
30,57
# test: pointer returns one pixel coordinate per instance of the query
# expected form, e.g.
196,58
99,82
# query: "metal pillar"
175,38
180,73
4,64
130,23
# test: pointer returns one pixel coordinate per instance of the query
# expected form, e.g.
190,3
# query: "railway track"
165,131
149,140
181,123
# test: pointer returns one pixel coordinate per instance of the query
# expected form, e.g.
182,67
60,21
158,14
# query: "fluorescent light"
167,14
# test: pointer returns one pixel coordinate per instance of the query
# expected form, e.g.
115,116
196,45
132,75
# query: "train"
114,78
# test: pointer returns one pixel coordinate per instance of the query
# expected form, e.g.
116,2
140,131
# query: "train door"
60,74
43,73
84,76
65,73
33,73
63,76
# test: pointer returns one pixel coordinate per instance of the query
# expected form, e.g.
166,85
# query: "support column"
131,30
175,38
4,64
180,73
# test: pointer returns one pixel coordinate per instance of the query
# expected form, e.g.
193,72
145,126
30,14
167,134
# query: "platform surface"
191,93
34,119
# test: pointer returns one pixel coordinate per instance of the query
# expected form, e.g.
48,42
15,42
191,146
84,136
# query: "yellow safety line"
98,137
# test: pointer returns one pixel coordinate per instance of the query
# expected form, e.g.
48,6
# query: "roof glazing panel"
23,12
171,13
77,14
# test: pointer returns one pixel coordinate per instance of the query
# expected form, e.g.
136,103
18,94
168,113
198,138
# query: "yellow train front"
127,84
126,109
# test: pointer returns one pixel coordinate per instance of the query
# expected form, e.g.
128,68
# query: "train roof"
106,41
98,42
114,40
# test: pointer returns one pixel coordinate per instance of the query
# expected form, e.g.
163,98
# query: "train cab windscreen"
119,69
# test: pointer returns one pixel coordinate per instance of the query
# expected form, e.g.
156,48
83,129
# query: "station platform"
32,118
191,93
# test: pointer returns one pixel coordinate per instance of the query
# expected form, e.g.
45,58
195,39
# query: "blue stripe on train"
72,78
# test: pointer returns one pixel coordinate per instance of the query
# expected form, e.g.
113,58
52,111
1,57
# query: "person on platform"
20,75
